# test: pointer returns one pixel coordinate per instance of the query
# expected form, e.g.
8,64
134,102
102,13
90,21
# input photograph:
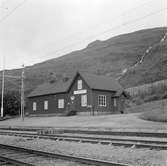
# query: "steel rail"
114,141
106,138
83,160
13,162
142,133
87,137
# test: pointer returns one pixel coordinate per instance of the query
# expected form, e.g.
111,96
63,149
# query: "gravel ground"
135,157
41,161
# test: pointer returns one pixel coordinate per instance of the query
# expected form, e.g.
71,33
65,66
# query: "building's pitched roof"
100,82
50,88
94,82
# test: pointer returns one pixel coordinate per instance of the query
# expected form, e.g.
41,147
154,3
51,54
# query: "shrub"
151,98
11,103
151,93
164,95
138,100
71,113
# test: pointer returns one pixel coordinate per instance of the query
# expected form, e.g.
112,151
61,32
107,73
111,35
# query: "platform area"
111,122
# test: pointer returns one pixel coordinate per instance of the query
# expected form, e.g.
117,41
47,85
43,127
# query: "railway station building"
85,94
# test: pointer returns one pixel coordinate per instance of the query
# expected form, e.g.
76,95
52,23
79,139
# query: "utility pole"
2,92
3,83
22,94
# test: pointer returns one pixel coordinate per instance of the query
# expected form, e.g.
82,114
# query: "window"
102,100
79,84
34,106
61,103
83,100
115,102
46,105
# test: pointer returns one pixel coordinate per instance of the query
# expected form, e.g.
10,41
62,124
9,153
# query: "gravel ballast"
133,156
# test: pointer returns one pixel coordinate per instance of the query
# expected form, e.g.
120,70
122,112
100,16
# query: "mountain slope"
152,68
109,57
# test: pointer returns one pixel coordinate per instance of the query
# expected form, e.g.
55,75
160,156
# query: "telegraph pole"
22,94
3,83
2,92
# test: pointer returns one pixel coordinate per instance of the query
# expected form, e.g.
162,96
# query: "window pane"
34,106
102,100
61,103
79,84
105,101
83,100
45,105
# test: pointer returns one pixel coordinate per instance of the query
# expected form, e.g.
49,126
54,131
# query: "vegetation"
107,57
11,103
136,103
158,92
155,115
152,111
71,113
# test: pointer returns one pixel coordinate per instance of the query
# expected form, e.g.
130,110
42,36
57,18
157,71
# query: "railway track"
4,161
115,132
138,142
17,156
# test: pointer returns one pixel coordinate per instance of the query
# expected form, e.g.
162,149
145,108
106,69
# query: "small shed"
85,93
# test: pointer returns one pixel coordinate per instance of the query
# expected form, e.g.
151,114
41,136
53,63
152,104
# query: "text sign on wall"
80,92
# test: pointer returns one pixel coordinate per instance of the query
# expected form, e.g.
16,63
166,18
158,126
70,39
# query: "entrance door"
75,103
71,105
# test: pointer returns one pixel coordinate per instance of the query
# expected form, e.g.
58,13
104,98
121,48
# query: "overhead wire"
99,34
80,41
108,30
116,18
4,18
12,11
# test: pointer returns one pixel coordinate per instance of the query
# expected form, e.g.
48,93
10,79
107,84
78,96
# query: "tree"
11,103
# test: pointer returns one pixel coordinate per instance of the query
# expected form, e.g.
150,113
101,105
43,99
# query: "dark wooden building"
85,94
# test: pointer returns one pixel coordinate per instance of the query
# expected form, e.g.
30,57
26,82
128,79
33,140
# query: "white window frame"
60,103
79,84
102,100
46,105
84,100
34,106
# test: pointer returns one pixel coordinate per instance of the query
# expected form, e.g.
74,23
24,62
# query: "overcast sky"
32,31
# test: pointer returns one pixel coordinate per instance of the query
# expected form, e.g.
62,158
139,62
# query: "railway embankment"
128,155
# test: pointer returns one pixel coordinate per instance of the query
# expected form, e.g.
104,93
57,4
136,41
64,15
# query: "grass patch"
155,115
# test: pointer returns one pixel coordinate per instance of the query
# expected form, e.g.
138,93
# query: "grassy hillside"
153,68
154,111
107,57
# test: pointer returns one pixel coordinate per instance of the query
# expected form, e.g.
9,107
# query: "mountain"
109,57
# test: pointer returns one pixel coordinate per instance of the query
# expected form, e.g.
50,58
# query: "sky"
32,31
